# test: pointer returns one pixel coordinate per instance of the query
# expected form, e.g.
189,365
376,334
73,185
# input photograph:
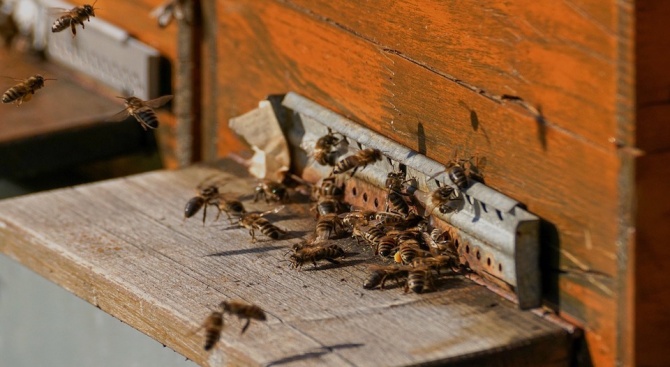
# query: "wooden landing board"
123,246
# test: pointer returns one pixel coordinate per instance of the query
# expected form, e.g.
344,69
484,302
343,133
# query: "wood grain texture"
567,180
123,246
560,56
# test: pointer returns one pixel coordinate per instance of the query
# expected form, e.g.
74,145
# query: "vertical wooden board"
560,56
652,294
652,91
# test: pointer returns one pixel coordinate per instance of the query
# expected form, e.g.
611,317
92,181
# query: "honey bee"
407,251
440,242
358,218
206,196
271,191
315,253
436,262
444,199
327,205
213,326
70,18
361,159
380,274
24,91
395,197
255,221
387,244
328,226
243,311
457,175
229,206
325,150
141,110
419,280
374,234
329,188
169,10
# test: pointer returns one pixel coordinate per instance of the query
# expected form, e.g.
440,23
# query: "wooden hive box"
565,100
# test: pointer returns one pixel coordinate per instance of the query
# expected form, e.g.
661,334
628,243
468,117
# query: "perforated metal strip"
497,237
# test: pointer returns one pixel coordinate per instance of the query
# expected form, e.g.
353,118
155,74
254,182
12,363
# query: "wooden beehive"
565,100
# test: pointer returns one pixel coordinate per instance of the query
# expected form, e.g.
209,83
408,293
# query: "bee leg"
246,326
73,28
204,214
332,261
381,285
253,236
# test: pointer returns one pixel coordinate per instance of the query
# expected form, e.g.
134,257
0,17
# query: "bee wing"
275,210
120,116
163,13
155,103
58,11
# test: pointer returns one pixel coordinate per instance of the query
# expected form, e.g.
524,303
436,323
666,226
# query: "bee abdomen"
458,177
61,24
11,95
398,203
192,206
269,229
147,117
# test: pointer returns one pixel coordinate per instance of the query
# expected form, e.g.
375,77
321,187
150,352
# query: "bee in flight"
24,91
70,18
169,10
243,311
141,110
213,326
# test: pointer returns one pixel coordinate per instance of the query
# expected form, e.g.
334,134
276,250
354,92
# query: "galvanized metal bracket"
496,236
102,51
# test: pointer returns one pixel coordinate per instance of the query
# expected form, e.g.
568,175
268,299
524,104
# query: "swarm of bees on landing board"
404,249
142,111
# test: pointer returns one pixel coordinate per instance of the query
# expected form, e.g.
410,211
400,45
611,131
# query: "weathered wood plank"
566,180
123,246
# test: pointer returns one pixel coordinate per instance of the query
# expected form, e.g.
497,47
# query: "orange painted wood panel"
271,47
557,55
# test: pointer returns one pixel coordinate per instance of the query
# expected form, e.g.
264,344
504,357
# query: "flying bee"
70,18
444,199
213,326
243,311
141,110
361,159
326,148
169,10
316,253
419,280
255,221
24,91
271,191
329,226
380,274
